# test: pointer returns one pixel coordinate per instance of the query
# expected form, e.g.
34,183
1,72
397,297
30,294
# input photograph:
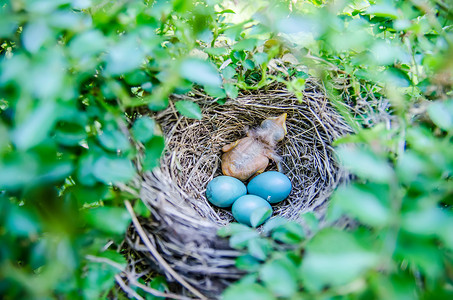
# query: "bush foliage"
74,73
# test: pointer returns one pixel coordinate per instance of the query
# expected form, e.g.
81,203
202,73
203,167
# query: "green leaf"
261,58
240,240
397,77
231,90
124,57
252,291
427,221
87,44
88,195
233,228
153,152
36,127
334,258
365,164
114,140
442,114
113,169
98,279
214,91
70,134
289,233
136,77
158,283
249,64
280,277
200,71
111,220
85,169
143,129
248,263
141,209
260,215
310,220
259,248
22,222
247,44
17,169
362,204
228,72
156,103
274,223
216,51
35,34
383,10
189,109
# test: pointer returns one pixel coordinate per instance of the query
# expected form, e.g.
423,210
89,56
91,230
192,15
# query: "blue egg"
251,209
272,186
222,191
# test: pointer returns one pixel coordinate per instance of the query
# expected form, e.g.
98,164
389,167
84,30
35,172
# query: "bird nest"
179,239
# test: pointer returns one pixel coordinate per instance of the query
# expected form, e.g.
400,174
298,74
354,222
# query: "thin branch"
157,293
104,260
127,288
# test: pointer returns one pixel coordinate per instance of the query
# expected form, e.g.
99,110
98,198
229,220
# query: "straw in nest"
182,241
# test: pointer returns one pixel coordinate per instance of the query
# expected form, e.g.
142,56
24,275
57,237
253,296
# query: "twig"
157,256
157,293
104,261
127,288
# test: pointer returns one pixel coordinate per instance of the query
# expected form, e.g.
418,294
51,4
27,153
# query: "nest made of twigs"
183,226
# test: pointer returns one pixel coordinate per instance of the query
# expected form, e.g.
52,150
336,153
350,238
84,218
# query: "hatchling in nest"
250,155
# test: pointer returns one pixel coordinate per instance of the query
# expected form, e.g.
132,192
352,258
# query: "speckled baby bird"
250,155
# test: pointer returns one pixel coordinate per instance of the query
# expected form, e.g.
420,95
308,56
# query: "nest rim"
184,224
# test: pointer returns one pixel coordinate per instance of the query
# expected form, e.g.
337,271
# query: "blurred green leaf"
247,291
154,150
248,263
158,283
141,209
383,10
231,90
362,204
124,56
240,239
335,258
111,220
442,114
22,222
143,129
229,72
280,277
200,71
189,109
215,92
216,51
114,140
87,44
17,169
260,215
35,34
70,134
98,279
113,169
36,127
365,163
259,248
288,233
233,228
